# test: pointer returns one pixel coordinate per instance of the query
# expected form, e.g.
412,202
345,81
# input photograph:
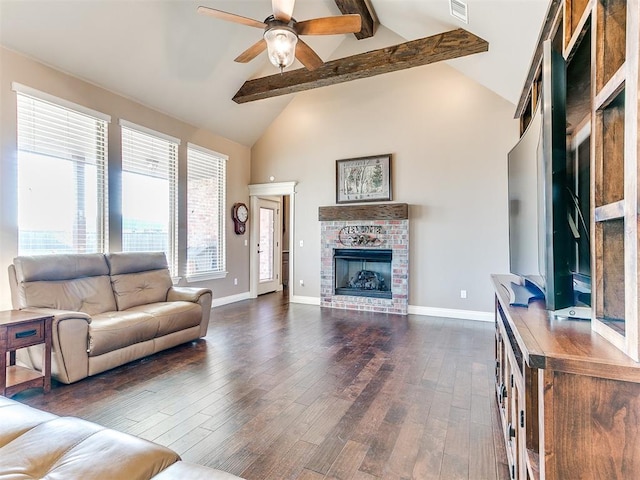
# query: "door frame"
268,190
275,204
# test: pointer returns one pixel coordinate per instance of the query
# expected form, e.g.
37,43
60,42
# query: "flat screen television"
543,246
526,227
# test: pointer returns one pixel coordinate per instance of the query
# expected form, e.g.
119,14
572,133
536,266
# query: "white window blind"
206,193
62,179
149,193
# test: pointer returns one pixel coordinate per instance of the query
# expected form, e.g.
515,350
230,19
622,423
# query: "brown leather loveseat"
37,444
108,309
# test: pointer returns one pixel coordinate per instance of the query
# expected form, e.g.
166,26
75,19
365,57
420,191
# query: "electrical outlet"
235,281
463,294
302,283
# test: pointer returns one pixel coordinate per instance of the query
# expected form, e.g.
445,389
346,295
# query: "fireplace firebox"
363,272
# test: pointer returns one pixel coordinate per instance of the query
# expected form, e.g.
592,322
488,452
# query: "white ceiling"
166,56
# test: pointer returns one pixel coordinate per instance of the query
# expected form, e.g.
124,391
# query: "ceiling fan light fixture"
281,46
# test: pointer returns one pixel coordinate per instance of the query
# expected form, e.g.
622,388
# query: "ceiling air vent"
458,9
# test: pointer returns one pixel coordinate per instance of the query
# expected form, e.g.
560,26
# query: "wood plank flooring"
290,391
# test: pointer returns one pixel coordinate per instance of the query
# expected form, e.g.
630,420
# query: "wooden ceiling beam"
444,46
361,8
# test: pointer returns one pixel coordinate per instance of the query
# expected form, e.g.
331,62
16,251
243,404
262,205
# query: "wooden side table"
19,329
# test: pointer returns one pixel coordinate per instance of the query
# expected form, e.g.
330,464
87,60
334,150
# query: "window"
149,192
62,175
206,191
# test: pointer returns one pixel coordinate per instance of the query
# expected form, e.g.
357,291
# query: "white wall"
449,138
18,68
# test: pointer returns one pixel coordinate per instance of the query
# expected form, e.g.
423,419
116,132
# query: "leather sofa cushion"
14,423
65,282
113,330
172,316
134,262
133,289
91,295
82,450
37,444
59,267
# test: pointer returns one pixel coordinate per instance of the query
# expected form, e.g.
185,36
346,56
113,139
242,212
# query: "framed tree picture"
365,179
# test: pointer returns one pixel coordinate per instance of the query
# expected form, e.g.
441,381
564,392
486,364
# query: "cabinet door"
516,435
510,391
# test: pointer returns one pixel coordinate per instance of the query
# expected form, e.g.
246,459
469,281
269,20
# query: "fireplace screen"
362,272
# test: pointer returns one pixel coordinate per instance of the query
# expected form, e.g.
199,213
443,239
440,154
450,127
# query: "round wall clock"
240,215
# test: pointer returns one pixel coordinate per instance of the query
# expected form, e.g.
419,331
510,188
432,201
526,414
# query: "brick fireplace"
368,236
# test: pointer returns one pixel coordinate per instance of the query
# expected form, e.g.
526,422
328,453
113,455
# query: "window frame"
172,177
99,153
178,191
221,165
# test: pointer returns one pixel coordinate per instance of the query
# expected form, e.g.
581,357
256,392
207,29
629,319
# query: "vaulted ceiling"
166,56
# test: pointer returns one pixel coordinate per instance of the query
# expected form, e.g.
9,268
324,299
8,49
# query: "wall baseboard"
218,302
452,313
305,300
413,310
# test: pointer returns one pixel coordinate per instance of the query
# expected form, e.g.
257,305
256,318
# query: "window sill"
201,277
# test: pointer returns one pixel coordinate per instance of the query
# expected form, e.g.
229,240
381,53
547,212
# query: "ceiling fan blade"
230,17
283,9
252,52
307,56
330,25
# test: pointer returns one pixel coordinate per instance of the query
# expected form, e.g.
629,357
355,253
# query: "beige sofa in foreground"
108,309
37,444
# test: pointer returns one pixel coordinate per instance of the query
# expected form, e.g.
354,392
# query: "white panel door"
269,249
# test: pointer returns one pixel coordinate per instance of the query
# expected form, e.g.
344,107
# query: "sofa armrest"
186,294
58,315
69,357
201,296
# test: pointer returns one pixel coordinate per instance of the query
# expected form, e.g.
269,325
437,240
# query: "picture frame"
363,179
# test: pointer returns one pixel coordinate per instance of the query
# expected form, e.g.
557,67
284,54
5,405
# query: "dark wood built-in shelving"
567,397
568,390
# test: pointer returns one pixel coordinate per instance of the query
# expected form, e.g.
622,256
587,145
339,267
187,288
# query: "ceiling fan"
282,31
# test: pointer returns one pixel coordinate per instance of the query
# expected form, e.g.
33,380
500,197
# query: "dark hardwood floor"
290,391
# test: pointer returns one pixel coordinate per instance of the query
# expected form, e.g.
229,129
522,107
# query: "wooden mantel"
385,211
